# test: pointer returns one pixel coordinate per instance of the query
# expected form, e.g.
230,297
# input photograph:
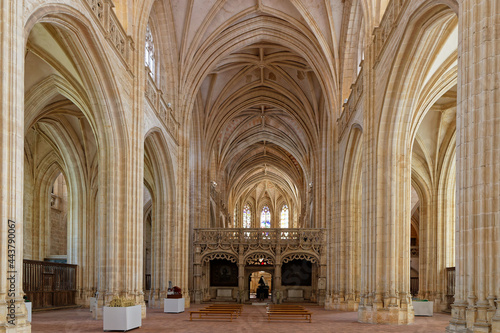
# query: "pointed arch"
160,175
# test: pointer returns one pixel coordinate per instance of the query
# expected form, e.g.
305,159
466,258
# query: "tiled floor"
252,320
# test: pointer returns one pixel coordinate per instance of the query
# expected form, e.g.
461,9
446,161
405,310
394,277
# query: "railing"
414,285
115,34
162,109
49,285
450,286
258,235
147,281
351,105
387,24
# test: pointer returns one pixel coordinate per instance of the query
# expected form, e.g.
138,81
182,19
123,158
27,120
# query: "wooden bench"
285,308
231,306
212,314
236,311
289,314
225,307
279,306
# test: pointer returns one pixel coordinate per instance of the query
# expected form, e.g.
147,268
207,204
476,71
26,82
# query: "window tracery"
265,218
149,54
284,217
247,217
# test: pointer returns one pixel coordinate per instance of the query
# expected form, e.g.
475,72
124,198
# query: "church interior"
332,154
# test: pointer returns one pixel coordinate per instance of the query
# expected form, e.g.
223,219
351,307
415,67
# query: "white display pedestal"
173,305
423,308
121,319
28,309
92,304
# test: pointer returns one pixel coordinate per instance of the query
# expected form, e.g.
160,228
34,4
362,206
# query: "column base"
187,298
329,303
457,322
26,328
84,298
198,296
96,308
495,326
394,315
349,305
495,321
143,309
321,297
155,302
20,318
155,298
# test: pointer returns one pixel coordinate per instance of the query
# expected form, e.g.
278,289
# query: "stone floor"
251,320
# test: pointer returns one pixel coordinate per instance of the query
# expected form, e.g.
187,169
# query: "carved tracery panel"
220,255
259,259
300,256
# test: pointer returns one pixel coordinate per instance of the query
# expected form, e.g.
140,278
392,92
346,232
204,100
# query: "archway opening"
260,285
61,172
433,201
57,235
147,242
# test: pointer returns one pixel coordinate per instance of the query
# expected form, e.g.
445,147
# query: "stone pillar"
478,165
322,270
119,234
181,240
277,271
241,282
277,292
385,228
198,295
241,274
12,309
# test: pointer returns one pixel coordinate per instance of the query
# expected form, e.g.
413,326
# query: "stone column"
198,294
241,282
241,274
277,275
181,240
322,281
161,248
119,234
385,227
12,309
478,165
277,284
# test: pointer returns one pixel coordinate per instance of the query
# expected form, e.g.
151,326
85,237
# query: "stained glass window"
284,217
265,218
235,219
149,55
247,217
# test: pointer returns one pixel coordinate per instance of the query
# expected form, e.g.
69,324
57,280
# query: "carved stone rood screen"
246,247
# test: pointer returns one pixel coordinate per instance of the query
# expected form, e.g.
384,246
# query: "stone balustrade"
112,28
303,237
387,24
162,110
351,105
262,249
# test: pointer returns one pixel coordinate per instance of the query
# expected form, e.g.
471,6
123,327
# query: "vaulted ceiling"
262,105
